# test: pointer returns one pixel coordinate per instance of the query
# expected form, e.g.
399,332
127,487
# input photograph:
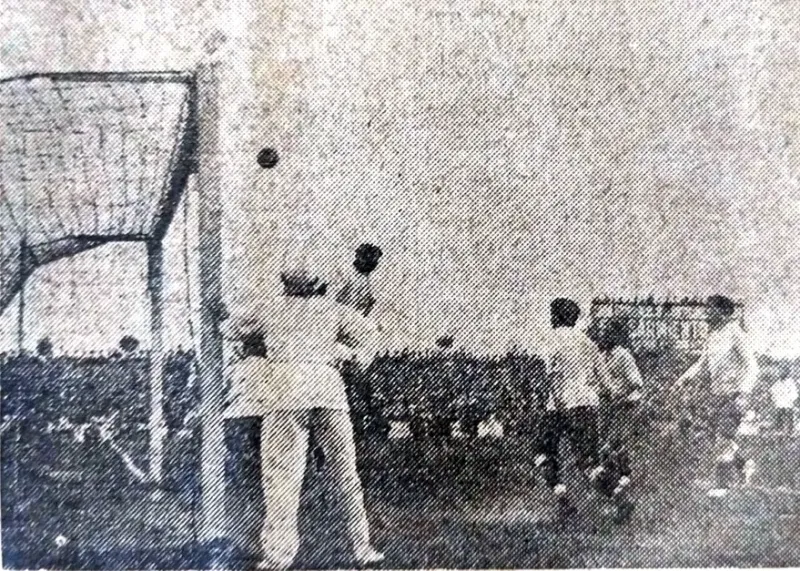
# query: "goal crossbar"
92,157
88,158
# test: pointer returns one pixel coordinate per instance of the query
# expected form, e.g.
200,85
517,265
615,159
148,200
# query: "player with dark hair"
357,292
576,373
726,372
620,414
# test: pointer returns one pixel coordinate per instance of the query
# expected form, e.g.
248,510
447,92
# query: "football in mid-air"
267,158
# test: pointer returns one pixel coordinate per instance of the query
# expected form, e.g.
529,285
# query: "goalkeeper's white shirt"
728,361
301,337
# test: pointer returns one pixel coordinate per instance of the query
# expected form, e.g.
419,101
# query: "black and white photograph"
399,284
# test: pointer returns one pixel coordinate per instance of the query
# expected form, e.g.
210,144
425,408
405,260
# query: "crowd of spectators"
428,390
440,393
43,387
421,394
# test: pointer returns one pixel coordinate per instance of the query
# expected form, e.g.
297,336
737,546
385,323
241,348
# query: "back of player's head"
253,345
300,283
564,312
722,304
367,258
616,334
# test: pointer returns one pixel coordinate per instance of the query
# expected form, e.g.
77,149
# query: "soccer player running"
287,378
726,372
621,423
576,372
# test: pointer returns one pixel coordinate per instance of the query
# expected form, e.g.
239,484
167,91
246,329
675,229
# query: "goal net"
88,158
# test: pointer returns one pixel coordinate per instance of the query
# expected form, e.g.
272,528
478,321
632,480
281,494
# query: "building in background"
658,325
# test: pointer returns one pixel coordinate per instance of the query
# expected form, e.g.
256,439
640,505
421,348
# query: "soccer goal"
92,158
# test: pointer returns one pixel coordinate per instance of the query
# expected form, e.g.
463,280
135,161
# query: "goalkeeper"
294,388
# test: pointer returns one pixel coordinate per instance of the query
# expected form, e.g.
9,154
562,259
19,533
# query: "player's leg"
584,438
284,444
728,459
604,476
335,435
610,421
546,448
548,438
614,454
626,436
622,469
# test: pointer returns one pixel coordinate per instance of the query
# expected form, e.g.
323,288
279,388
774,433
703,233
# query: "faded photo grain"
399,283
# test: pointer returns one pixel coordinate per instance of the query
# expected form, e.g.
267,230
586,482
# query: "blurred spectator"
749,425
399,429
44,348
490,427
456,431
470,418
376,421
129,344
419,422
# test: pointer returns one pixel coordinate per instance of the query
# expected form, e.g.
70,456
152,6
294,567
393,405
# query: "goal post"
89,158
213,518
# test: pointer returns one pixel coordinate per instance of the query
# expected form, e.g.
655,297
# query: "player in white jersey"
620,423
357,291
576,372
726,372
288,379
784,395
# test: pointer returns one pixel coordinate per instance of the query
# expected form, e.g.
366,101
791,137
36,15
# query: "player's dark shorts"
620,422
724,415
579,426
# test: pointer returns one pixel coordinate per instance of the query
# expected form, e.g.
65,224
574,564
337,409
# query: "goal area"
89,158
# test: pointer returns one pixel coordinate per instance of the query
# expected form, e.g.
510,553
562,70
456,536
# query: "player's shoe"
623,506
565,508
369,558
